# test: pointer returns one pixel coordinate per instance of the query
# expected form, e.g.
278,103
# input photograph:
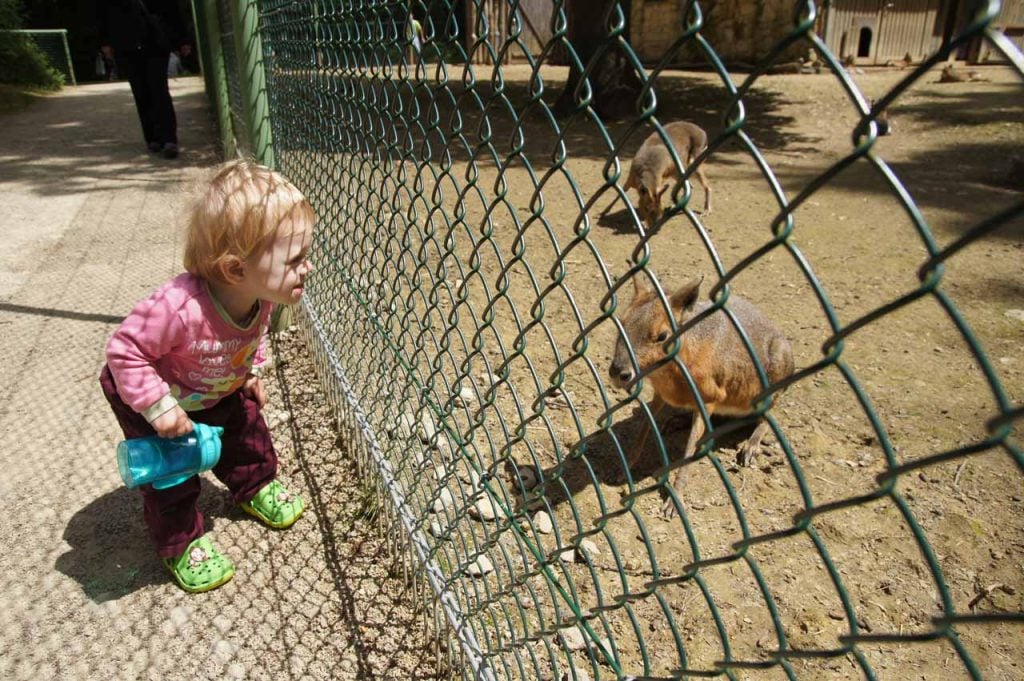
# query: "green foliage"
21,62
369,501
11,14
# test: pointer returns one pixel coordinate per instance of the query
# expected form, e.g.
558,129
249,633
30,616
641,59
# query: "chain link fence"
496,303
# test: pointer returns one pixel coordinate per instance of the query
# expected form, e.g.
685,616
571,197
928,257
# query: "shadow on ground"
375,620
111,554
70,144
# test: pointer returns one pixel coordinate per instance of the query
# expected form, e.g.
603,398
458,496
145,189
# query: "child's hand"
172,423
253,388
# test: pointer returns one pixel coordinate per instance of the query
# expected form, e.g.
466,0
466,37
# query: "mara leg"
632,182
668,508
752,447
702,178
657,404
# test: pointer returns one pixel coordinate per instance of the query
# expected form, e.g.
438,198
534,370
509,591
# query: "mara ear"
686,295
231,269
641,285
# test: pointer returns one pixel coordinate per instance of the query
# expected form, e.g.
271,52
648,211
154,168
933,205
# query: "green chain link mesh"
464,311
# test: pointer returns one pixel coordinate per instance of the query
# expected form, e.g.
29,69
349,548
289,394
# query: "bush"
21,62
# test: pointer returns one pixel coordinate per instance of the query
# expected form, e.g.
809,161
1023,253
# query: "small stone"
437,530
276,419
581,675
568,556
480,567
466,396
427,428
589,547
542,521
601,643
445,500
406,425
1015,314
484,509
573,638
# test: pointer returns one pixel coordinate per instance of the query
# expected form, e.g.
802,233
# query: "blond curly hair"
237,215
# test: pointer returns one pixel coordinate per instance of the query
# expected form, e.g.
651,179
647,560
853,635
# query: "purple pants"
247,463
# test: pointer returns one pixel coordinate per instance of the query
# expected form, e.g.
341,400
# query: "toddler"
187,354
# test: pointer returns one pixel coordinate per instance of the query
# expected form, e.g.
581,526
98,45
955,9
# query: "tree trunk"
614,84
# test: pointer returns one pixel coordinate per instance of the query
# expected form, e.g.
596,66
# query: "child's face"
277,273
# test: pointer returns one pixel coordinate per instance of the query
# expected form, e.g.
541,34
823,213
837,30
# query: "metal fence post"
253,81
208,24
203,47
67,55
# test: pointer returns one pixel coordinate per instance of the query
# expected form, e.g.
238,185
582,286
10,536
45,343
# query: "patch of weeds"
368,502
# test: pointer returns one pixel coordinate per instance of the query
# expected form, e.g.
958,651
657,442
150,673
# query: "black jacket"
129,25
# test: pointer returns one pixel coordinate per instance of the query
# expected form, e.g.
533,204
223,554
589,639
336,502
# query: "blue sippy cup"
166,462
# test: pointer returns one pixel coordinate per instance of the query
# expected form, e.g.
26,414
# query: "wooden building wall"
876,31
1011,22
872,31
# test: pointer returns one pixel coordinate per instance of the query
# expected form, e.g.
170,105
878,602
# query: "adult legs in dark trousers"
146,71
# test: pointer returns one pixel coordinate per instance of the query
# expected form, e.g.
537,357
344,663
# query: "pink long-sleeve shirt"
179,346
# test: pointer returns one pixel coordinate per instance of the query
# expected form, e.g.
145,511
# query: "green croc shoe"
275,506
201,567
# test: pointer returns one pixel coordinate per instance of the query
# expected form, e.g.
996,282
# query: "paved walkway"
89,223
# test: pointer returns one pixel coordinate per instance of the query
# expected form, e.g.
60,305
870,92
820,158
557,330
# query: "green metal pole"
67,55
218,76
202,49
253,79
253,82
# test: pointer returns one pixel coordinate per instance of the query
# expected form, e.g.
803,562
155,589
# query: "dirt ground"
906,386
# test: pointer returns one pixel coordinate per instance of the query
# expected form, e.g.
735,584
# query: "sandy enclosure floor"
502,286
